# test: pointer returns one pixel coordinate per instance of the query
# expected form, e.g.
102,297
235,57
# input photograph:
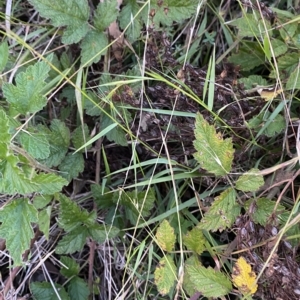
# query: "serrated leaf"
293,81
49,184
251,181
253,80
213,152
44,221
71,13
188,284
59,138
279,47
80,137
209,282
71,216
16,218
101,196
93,46
69,267
171,11
264,210
26,96
194,240
137,204
249,49
71,166
128,15
165,275
37,145
243,277
41,201
222,213
73,241
251,25
45,291
13,179
3,55
78,289
4,134
105,14
116,135
165,236
101,233
277,125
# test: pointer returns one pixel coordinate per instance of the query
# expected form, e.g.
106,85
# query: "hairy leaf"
165,275
194,240
49,184
44,221
80,137
213,153
209,282
188,284
45,291
78,289
165,236
93,46
69,267
36,144
71,13
3,55
71,166
105,14
251,181
222,213
26,96
16,218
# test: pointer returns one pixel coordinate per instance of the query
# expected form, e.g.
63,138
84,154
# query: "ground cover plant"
149,149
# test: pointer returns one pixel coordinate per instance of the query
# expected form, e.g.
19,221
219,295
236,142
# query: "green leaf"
253,80
137,204
93,46
26,96
289,61
101,233
165,275
92,109
44,221
188,284
69,267
78,289
59,139
209,282
251,181
80,137
117,134
105,14
251,25
49,184
293,81
165,236
71,166
45,291
171,11
249,49
102,196
222,213
264,210
279,47
213,153
16,218
3,55
194,240
13,180
71,13
41,201
73,241
128,15
71,216
4,134
277,125
36,144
